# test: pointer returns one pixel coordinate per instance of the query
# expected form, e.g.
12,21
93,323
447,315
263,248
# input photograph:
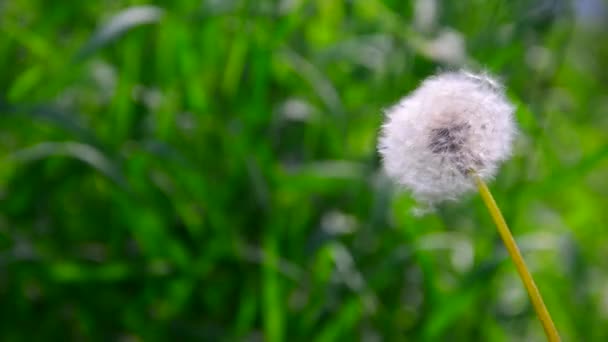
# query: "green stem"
520,265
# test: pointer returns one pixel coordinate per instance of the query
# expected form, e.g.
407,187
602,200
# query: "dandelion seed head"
453,123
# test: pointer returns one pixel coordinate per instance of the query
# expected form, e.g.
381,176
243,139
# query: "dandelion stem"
522,269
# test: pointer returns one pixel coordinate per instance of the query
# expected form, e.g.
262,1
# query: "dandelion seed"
454,123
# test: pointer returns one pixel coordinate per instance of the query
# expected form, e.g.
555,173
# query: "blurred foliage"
206,170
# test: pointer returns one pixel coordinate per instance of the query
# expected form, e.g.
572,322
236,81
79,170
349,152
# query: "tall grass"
207,171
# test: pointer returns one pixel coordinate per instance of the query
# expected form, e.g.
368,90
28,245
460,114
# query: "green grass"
206,170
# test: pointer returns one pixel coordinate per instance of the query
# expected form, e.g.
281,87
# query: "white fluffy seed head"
454,123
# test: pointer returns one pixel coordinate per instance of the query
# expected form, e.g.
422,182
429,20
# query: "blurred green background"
206,171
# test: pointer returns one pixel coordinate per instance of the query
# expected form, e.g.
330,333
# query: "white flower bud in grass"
453,124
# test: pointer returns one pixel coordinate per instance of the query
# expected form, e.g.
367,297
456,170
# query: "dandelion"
448,137
453,123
